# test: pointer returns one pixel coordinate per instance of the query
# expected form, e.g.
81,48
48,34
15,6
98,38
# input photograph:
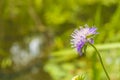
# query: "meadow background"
35,39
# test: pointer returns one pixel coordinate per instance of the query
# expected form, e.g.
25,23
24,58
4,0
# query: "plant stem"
101,61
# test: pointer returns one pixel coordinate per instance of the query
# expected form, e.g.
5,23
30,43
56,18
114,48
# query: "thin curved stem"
101,61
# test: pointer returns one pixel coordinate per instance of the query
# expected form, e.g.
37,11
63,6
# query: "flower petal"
79,47
91,40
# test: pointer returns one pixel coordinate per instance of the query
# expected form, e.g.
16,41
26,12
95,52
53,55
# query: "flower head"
79,77
81,36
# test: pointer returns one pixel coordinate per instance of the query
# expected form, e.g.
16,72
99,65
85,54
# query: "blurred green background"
35,39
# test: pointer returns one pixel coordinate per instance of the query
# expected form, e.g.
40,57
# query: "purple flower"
81,36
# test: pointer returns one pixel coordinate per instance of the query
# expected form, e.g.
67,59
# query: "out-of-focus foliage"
52,22
66,62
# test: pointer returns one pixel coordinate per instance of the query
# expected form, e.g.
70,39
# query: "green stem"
101,61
